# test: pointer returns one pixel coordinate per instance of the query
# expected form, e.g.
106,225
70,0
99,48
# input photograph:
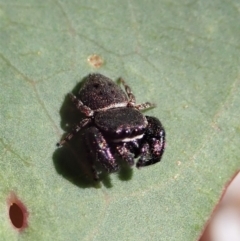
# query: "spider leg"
153,143
132,99
99,150
74,131
80,106
125,152
144,106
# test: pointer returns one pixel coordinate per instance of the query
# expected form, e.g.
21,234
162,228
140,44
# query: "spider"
114,125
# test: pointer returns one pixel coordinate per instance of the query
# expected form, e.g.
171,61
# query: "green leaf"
182,55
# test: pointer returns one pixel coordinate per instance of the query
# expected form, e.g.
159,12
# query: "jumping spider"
114,125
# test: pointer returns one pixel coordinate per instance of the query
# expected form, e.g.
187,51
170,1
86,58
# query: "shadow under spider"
71,160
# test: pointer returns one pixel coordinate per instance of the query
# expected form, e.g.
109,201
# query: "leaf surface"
182,55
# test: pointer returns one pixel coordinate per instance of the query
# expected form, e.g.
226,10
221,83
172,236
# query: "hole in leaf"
16,215
17,212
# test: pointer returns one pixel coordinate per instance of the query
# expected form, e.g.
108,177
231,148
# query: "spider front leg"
126,152
99,150
153,143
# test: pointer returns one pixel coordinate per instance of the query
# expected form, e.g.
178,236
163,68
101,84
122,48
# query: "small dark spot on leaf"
16,215
17,212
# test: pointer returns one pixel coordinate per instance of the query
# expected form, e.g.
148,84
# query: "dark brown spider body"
114,125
